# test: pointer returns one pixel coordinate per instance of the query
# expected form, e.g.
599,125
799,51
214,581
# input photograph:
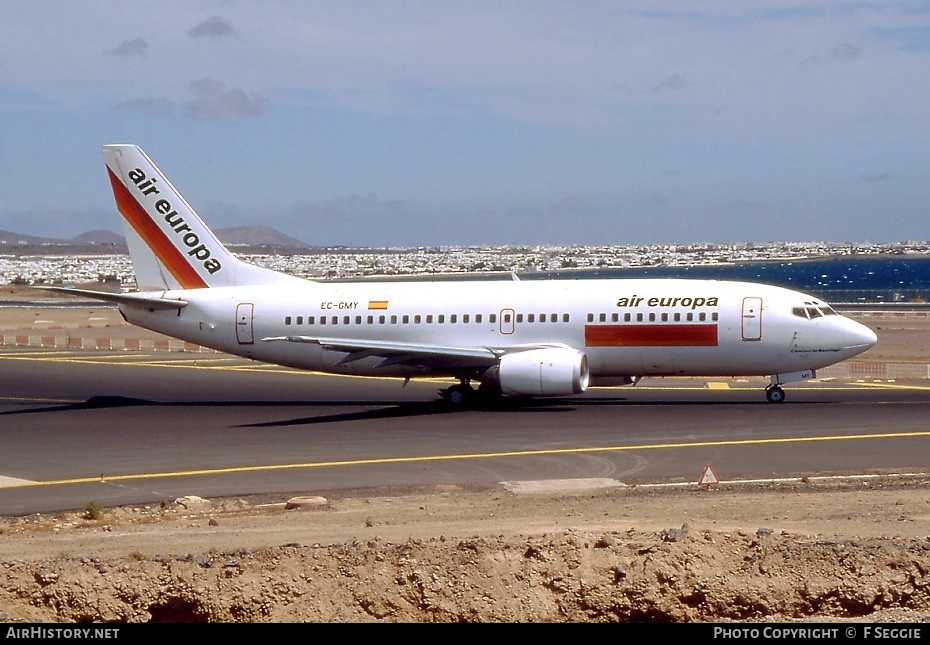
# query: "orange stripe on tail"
156,239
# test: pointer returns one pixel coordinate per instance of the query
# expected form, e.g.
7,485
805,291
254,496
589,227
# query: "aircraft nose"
858,337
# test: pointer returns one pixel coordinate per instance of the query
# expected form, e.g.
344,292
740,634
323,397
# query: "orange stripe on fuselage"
692,335
156,239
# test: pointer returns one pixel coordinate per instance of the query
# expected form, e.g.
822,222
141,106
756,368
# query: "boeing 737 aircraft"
529,338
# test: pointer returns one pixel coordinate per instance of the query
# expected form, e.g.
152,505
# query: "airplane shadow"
383,409
375,409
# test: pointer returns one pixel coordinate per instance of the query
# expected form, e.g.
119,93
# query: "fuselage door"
752,318
244,311
507,321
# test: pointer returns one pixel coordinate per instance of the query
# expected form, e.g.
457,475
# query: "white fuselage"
625,327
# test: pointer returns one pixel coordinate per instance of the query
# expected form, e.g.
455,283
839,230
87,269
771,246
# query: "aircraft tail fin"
170,246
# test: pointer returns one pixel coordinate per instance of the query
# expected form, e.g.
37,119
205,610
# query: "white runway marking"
7,482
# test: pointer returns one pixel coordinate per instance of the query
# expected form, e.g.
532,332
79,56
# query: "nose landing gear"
774,394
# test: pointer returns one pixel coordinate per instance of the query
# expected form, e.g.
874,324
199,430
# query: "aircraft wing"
148,300
425,356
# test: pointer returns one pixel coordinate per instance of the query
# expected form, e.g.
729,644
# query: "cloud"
845,51
212,27
883,176
150,107
673,82
841,52
212,101
134,47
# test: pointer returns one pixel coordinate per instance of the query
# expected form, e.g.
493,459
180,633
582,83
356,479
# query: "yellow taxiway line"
103,478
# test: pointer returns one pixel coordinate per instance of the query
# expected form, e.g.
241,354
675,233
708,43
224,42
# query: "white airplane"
529,338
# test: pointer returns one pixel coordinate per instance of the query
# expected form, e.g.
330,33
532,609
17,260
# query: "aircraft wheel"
774,394
458,395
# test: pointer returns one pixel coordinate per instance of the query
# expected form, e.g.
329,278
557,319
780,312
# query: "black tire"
775,394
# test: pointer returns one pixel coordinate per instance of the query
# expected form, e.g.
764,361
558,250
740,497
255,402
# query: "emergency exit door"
752,318
244,313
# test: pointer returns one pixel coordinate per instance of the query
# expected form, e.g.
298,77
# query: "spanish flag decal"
377,304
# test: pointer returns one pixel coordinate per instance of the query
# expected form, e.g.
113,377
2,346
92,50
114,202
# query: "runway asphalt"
142,425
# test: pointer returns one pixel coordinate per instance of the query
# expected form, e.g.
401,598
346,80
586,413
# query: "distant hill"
98,237
257,235
240,236
9,238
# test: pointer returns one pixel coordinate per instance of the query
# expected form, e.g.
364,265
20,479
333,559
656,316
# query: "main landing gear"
458,395
774,394
464,394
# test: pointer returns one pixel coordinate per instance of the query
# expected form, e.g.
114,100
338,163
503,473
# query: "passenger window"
335,320
358,320
345,320
311,320
714,316
639,318
299,321
519,318
664,317
287,320
677,316
690,316
531,318
602,318
371,320
416,319
405,319
441,318
652,317
566,317
393,319
429,319
322,320
464,318
478,318
381,320
453,318
590,317
702,316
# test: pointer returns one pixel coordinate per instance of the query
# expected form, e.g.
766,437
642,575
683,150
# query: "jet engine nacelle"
557,371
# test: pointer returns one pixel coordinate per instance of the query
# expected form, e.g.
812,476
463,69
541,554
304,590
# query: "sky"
406,123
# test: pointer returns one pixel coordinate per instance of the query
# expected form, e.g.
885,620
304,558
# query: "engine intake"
557,371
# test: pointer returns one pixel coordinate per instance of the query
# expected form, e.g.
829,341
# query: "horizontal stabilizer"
146,300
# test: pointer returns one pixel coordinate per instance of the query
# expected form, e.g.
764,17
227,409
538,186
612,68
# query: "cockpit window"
813,310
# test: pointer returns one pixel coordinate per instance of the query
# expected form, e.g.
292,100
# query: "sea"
844,279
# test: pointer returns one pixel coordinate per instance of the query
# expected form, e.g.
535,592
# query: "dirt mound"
483,556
